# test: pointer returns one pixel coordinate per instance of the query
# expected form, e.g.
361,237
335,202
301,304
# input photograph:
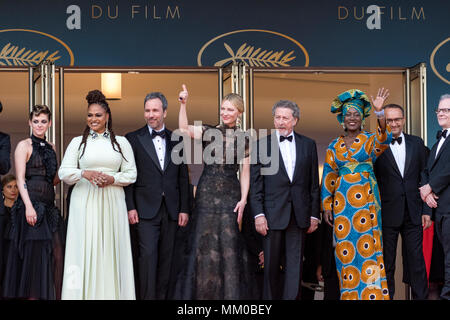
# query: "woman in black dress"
217,265
9,193
34,264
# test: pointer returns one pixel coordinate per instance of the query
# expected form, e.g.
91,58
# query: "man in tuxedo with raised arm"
158,201
398,171
286,201
435,191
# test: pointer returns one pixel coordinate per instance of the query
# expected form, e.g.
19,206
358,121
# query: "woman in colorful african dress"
350,196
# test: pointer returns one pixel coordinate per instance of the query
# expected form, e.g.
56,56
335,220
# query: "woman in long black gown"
10,193
34,264
217,266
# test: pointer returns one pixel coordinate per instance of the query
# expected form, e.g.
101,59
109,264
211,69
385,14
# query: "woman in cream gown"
98,261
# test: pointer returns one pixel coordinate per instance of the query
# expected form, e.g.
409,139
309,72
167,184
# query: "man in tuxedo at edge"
285,202
5,165
435,191
398,171
159,199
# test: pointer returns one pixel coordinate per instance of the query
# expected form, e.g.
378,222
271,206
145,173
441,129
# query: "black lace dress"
217,265
35,257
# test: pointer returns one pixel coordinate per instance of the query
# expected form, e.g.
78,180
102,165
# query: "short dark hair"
40,109
289,105
7,179
157,95
394,106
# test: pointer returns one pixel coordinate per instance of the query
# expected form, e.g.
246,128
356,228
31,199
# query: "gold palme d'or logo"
256,56
13,55
432,61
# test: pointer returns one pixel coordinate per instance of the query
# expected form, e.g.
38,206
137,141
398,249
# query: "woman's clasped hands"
98,178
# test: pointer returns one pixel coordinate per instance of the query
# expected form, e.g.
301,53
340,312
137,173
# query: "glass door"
235,79
416,112
42,91
416,101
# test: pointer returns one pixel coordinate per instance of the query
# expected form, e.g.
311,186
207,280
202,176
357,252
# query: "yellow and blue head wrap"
352,98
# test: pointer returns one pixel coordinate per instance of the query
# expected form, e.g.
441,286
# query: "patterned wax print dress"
349,189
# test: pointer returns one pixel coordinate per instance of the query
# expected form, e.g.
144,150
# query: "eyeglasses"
397,120
443,110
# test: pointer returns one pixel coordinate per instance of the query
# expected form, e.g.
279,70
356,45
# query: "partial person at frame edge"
435,190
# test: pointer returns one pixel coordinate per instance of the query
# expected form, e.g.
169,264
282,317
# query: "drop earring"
238,122
106,133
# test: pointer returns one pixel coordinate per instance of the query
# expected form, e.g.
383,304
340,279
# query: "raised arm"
194,132
378,104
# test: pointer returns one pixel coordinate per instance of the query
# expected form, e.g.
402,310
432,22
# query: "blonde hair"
236,100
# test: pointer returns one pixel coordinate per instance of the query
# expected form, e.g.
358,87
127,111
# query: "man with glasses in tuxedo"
435,191
398,171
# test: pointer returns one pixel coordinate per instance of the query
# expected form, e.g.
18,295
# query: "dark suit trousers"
156,245
443,233
288,243
412,236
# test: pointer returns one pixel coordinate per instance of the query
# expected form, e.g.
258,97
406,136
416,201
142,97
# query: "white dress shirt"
160,146
399,152
288,153
441,142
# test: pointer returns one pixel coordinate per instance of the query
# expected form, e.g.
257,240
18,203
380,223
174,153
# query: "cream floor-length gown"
98,262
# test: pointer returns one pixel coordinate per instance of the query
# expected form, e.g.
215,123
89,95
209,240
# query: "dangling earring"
106,133
238,122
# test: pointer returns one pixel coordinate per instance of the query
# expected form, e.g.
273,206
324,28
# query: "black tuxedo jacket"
5,163
437,174
154,182
275,195
394,188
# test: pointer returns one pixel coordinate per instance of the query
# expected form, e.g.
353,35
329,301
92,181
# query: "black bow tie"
282,138
441,133
161,133
399,140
